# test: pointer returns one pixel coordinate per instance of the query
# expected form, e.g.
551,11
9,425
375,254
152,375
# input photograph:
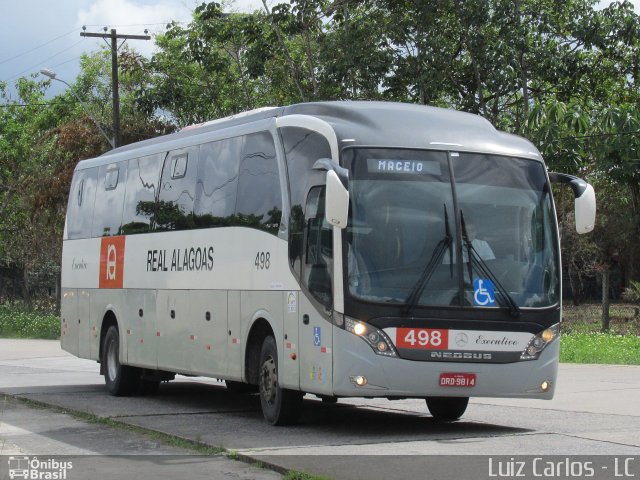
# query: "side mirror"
585,207
337,206
337,202
585,200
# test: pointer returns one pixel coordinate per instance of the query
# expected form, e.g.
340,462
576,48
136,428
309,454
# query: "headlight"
539,342
376,339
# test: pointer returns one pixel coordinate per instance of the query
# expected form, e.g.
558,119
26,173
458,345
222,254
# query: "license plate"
422,338
467,380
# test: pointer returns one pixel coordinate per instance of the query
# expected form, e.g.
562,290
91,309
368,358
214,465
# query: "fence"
624,318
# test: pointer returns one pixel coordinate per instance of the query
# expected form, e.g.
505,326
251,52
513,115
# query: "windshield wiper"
476,261
438,252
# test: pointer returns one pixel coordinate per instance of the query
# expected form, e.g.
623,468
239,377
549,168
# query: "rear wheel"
279,405
447,408
120,379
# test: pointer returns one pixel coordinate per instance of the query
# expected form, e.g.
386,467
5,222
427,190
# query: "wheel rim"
112,360
269,380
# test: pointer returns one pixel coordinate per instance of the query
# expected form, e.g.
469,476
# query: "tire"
447,409
280,406
121,380
240,387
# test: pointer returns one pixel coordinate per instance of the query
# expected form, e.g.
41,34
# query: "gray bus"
340,249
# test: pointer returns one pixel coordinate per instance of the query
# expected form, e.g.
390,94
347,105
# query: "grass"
600,348
293,475
583,342
20,322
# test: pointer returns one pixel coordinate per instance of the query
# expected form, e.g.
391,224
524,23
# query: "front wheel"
447,408
121,380
280,406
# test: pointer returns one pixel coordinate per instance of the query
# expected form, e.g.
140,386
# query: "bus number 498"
263,260
424,338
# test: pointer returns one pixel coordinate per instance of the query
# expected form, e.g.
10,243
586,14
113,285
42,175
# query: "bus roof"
362,123
414,126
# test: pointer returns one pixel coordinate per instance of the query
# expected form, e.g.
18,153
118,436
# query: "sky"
37,34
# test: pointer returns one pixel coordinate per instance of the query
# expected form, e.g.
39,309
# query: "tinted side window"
217,183
81,200
174,210
259,203
107,215
302,148
140,200
318,265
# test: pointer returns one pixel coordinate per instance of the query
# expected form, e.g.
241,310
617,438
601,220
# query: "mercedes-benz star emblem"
461,339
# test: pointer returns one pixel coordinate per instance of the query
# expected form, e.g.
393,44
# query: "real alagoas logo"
112,262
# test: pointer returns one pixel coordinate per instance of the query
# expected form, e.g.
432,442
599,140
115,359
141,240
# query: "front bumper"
396,377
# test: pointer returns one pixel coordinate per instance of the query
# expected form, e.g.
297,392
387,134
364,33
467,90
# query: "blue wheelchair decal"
316,336
483,293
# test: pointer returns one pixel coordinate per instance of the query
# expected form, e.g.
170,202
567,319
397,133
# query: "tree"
25,143
561,73
200,72
41,142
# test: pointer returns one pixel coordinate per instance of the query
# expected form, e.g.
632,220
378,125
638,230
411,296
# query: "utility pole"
114,74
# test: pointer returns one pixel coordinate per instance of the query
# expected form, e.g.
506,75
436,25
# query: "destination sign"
392,165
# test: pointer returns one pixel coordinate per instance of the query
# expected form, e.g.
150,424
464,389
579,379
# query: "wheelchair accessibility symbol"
483,293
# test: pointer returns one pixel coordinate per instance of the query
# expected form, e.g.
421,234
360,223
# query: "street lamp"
52,75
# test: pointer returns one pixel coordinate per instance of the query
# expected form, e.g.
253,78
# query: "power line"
40,63
36,48
65,62
596,135
552,141
138,24
25,105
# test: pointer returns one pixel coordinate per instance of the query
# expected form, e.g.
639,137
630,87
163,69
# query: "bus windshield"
406,241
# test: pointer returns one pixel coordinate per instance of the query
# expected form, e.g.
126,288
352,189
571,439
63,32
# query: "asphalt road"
596,412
